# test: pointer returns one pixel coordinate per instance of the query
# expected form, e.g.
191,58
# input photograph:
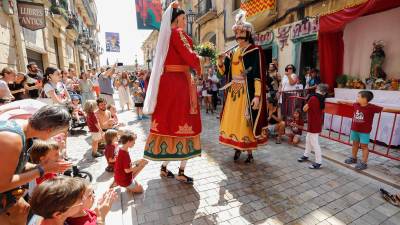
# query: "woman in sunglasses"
288,83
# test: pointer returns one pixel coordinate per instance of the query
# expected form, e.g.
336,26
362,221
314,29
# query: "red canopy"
330,36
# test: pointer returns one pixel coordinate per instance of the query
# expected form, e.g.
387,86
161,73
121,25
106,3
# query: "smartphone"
120,64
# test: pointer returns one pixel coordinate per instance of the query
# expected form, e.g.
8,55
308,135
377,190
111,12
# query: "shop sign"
264,38
283,36
31,15
304,28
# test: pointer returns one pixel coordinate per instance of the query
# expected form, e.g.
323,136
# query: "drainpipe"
19,39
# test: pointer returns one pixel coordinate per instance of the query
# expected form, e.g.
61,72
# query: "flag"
112,42
148,14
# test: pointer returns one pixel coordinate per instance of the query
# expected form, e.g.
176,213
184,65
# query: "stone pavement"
274,190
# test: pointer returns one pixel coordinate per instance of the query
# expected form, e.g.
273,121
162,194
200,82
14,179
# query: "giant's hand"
255,103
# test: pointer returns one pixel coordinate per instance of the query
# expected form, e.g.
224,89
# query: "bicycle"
76,172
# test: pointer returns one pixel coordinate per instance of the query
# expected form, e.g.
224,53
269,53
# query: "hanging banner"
254,7
148,14
112,42
31,15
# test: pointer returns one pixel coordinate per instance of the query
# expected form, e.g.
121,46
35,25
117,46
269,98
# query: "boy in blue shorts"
361,127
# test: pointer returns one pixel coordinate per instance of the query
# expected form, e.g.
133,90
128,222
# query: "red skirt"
175,129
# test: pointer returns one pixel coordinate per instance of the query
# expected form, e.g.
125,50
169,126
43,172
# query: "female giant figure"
171,97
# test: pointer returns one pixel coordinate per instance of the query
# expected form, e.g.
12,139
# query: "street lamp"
191,16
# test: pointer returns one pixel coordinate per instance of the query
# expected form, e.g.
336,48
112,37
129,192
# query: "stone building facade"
69,39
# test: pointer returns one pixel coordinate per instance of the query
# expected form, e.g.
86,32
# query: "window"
56,50
236,4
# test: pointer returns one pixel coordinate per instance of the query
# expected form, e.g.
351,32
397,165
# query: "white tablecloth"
381,98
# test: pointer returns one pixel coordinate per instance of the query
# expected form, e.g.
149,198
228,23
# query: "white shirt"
5,92
285,83
215,80
95,80
60,92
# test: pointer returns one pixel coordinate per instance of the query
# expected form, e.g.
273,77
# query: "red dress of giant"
176,124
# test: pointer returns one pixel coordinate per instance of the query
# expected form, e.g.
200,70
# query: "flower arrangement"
207,49
342,80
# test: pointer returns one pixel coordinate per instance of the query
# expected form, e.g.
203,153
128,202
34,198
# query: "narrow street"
274,190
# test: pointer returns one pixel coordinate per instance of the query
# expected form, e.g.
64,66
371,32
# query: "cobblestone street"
274,190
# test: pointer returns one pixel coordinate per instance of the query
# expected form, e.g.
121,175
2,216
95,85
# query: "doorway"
268,56
308,58
36,57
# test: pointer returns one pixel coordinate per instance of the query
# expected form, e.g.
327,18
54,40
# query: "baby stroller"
79,122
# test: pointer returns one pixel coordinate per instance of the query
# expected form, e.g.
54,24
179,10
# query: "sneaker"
361,166
350,160
315,166
302,159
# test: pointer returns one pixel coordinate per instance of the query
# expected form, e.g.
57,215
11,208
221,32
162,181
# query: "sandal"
166,173
278,141
250,159
392,199
183,178
237,155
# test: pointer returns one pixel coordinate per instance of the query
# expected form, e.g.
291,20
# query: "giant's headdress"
241,23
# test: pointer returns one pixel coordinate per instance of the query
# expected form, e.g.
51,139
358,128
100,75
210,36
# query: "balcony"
73,26
60,13
205,11
73,22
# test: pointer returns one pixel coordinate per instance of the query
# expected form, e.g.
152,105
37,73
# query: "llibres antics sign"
31,15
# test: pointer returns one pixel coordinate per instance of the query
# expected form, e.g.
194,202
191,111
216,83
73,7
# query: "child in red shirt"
296,127
94,126
362,125
111,137
314,108
124,171
43,152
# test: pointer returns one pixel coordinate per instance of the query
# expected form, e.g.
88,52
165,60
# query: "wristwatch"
41,170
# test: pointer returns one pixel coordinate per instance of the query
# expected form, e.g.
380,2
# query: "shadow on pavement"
105,176
166,202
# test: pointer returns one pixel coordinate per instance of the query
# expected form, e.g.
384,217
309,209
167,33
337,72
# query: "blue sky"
121,18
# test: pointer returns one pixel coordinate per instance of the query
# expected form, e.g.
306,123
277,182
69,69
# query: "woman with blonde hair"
122,84
7,76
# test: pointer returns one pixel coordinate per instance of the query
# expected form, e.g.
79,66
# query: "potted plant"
342,80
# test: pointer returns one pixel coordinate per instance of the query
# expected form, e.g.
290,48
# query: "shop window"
36,57
309,57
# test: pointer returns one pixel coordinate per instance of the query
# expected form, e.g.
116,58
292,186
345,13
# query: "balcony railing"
204,7
59,8
73,22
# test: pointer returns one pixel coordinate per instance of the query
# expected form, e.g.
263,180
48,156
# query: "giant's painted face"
241,35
